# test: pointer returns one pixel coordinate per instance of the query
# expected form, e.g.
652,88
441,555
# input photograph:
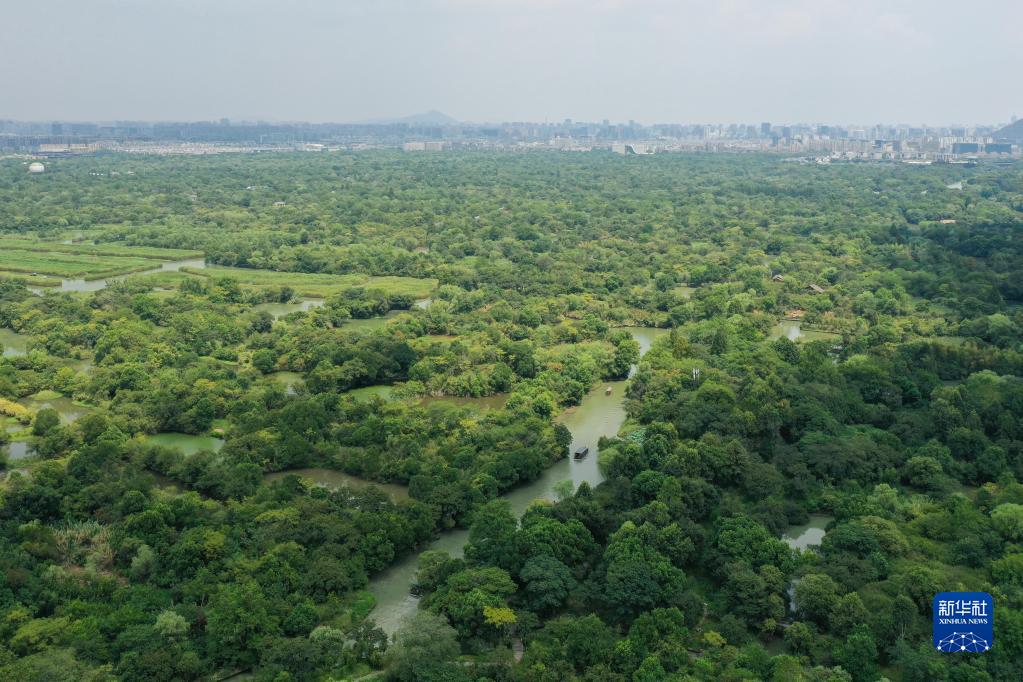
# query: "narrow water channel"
802,537
599,414
97,284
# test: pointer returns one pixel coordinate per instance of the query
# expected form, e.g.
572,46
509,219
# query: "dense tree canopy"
895,418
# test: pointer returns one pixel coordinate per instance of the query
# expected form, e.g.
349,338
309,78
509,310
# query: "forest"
241,394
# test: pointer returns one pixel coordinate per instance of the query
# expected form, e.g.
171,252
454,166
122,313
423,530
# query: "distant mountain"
1012,132
429,118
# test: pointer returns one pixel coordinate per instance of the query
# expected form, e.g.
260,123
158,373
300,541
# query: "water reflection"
88,285
391,587
14,344
66,408
18,449
807,534
802,537
279,310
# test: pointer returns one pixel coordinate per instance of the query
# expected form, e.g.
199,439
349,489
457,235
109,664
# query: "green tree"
424,648
239,618
816,596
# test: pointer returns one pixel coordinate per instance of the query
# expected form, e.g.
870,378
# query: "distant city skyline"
656,61
232,121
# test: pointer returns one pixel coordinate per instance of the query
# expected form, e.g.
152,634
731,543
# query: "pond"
382,391
279,310
287,379
790,329
807,534
599,414
802,537
370,323
66,408
18,449
186,443
14,344
329,478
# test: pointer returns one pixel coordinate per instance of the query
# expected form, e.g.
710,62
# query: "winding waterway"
97,284
599,414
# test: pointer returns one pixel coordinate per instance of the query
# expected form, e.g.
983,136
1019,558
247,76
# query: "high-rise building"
765,129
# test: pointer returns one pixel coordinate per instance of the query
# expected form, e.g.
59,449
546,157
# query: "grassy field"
318,285
165,279
118,250
73,266
31,280
31,261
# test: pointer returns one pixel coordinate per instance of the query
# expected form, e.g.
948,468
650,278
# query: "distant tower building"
765,129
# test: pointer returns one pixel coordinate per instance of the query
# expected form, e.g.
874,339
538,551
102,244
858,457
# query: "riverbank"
600,414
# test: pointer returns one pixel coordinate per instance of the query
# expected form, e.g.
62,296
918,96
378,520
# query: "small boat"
581,452
607,391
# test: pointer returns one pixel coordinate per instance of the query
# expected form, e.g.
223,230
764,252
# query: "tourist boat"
581,452
607,391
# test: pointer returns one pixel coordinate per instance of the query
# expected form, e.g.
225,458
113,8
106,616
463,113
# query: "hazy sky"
839,61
